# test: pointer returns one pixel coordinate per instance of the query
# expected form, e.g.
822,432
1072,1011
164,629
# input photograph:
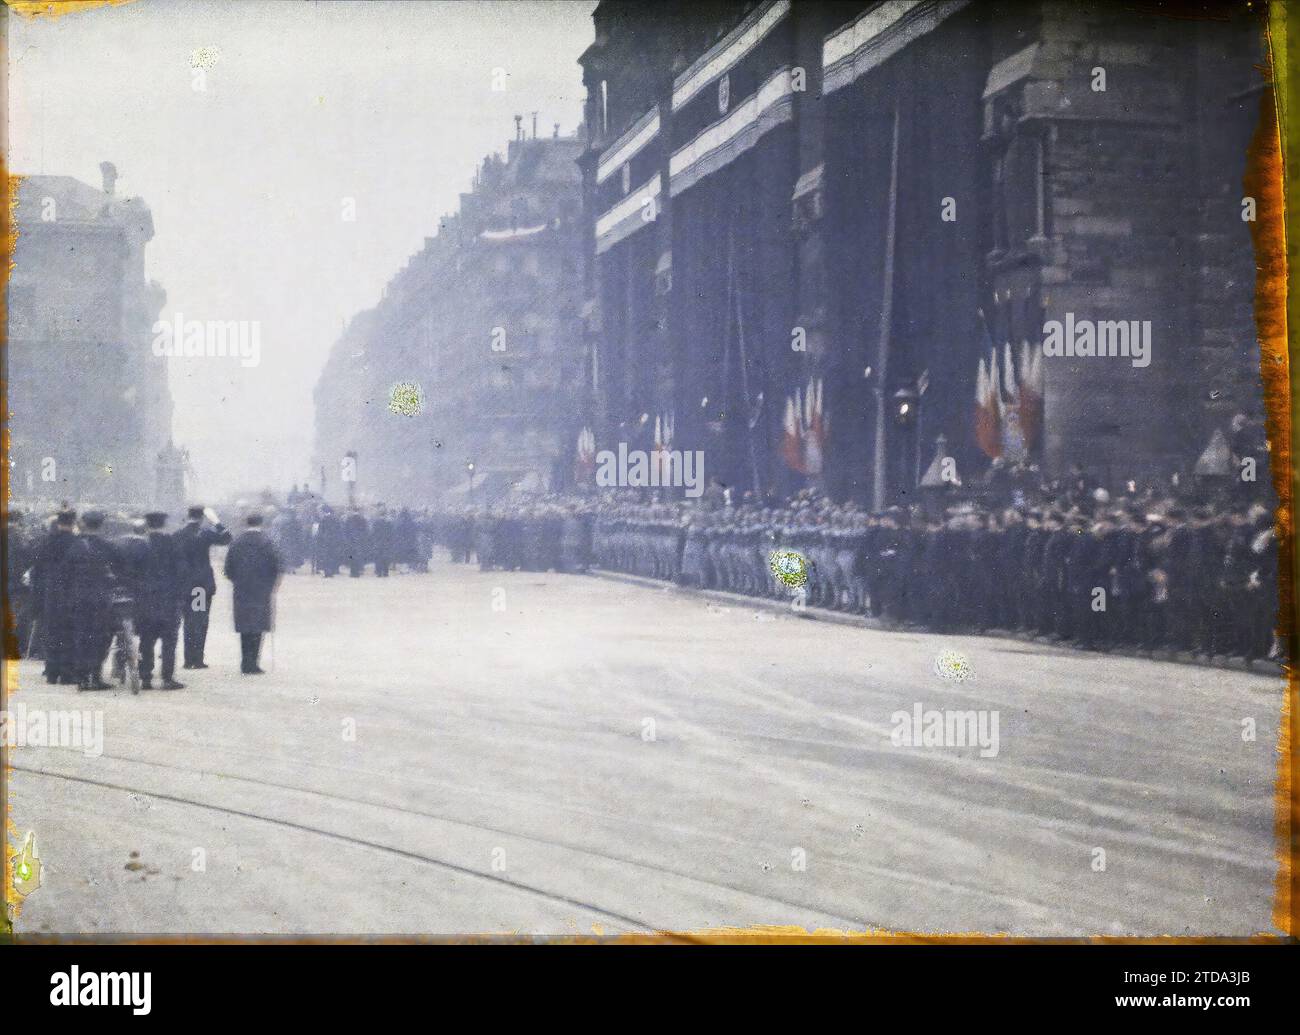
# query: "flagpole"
879,485
744,363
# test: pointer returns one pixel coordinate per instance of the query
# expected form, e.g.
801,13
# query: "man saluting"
194,541
253,566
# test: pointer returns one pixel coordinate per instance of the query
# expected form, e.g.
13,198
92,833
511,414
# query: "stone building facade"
475,354
90,409
808,225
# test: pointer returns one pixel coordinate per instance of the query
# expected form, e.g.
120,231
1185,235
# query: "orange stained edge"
759,934
57,8
1273,164
1272,155
1265,178
10,839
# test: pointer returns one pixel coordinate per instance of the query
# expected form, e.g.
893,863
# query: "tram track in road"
418,857
355,842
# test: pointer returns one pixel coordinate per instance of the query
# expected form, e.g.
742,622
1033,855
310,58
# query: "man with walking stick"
253,566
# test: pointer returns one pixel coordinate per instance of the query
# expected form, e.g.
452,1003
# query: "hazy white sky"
306,104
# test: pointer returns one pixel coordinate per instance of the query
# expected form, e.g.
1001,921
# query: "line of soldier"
72,584
546,534
352,541
1146,574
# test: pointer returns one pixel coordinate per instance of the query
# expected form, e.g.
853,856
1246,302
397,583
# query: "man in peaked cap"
200,584
158,606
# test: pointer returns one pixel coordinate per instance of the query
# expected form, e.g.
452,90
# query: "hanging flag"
988,415
1013,439
584,460
987,424
663,447
804,427
814,433
791,446
1031,393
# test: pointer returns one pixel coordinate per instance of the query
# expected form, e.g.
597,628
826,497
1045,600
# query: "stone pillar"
1093,217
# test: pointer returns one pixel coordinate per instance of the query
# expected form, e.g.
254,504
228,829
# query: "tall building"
89,404
810,225
474,355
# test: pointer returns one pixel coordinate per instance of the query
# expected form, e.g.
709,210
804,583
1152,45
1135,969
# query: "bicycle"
126,646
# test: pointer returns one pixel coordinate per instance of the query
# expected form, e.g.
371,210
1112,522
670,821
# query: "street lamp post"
469,470
351,476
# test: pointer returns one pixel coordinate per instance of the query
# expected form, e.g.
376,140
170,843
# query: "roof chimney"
534,125
519,127
556,134
109,171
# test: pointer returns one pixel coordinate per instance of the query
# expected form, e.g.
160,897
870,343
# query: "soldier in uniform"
1154,550
355,546
328,542
1056,584
982,598
575,541
193,542
381,542
550,539
460,537
1031,608
406,549
1207,542
286,530
1007,555
1180,628
487,539
253,566
158,606
508,541
1089,567
1260,638
1127,580
695,559
937,574
882,583
54,587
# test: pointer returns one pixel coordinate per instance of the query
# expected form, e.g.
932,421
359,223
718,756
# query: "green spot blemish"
790,567
405,399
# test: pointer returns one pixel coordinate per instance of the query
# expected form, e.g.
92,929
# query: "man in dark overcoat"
54,587
161,585
328,543
356,542
95,566
381,542
253,566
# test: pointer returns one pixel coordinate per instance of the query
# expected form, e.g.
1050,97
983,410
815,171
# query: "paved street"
597,755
